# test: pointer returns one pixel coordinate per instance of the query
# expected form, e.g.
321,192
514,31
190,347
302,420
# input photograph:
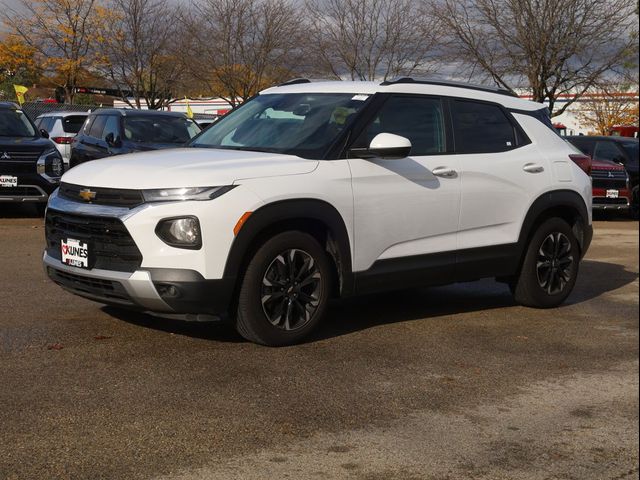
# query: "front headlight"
182,194
50,165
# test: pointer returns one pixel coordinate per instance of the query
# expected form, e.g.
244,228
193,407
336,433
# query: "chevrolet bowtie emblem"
87,195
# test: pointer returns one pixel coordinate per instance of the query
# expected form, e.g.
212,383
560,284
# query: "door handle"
533,168
445,172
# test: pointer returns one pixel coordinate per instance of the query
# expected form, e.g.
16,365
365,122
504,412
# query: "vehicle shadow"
221,331
354,314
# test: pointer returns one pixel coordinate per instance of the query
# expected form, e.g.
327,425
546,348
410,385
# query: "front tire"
550,266
285,290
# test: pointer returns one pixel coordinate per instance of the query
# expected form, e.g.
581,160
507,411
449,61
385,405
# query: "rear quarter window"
481,128
73,123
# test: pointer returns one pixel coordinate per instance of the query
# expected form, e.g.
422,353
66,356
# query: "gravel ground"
452,382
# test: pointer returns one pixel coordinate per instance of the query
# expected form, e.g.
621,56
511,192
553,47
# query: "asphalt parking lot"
451,382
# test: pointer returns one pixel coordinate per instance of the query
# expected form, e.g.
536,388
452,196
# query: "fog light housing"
50,166
180,232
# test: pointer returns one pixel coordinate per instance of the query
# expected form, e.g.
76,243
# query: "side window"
38,122
98,126
112,126
606,150
583,146
420,119
481,128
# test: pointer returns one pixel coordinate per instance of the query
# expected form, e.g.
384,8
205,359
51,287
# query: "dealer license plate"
75,253
8,181
612,193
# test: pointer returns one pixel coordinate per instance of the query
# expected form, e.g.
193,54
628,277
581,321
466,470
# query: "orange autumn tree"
17,65
606,109
61,33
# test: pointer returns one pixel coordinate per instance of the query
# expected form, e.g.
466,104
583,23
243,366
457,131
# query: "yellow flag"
189,111
20,91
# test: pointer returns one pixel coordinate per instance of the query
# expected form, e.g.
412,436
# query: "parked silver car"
62,127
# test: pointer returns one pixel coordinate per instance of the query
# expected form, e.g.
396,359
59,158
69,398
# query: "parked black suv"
30,164
114,132
623,150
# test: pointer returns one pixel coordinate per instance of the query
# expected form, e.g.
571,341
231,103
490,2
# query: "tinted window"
632,150
607,151
159,129
112,126
481,128
14,123
420,119
73,123
98,126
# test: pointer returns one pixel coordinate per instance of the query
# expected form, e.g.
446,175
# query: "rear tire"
285,290
550,266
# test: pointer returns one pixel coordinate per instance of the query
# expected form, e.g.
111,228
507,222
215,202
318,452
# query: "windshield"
159,129
14,123
302,124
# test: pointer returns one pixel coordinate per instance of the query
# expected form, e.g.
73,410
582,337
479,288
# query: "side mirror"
113,141
385,145
44,133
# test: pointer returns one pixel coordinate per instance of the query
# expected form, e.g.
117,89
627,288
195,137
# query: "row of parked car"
30,169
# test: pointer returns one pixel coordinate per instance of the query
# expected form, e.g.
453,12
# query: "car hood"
185,167
605,165
20,142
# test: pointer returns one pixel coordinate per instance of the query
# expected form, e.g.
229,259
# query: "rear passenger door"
501,171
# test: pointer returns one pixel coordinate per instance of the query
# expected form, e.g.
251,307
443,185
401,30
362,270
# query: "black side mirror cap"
44,133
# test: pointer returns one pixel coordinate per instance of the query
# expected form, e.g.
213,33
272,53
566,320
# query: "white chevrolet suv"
314,190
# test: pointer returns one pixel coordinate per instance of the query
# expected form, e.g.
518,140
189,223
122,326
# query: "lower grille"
610,201
110,245
96,287
604,183
21,192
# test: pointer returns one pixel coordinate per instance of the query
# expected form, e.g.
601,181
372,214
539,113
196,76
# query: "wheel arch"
566,204
315,217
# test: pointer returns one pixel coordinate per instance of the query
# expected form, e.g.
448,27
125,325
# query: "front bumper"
125,289
32,187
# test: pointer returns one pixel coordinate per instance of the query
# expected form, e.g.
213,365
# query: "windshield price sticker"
75,253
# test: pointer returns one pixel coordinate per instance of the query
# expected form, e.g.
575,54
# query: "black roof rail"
295,81
448,83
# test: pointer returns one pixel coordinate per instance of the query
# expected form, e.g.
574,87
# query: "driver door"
406,210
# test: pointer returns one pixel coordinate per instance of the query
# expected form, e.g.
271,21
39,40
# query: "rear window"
481,128
73,123
159,129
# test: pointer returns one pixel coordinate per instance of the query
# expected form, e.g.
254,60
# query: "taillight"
583,161
62,140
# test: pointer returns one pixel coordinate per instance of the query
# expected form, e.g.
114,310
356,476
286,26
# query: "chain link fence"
35,109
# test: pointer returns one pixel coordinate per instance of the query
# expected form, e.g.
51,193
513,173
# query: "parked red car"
610,186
